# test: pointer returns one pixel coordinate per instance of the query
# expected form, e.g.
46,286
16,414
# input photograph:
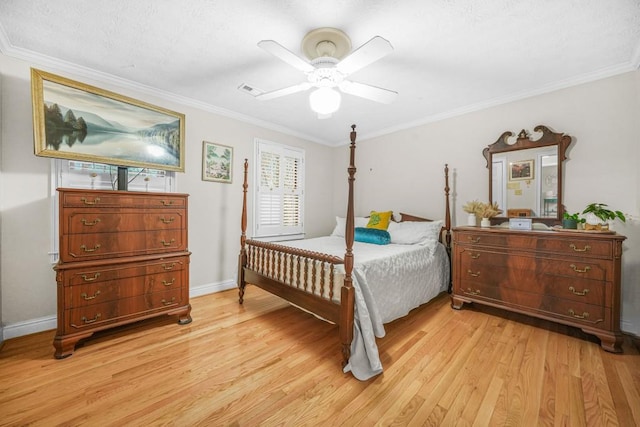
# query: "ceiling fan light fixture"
325,100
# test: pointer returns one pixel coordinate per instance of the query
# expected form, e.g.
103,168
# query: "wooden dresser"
123,258
566,277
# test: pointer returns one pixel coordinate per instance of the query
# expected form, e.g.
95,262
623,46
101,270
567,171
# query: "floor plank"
268,363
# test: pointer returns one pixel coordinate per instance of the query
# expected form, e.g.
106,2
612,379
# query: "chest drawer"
84,221
75,247
120,199
110,312
85,275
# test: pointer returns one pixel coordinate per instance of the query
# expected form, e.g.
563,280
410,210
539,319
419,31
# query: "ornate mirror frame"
524,142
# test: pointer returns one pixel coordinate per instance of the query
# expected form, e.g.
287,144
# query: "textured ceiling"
450,56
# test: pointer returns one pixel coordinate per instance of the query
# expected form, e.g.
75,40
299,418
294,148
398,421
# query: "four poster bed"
385,283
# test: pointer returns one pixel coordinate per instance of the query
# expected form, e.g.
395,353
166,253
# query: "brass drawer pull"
165,243
165,302
86,249
90,223
585,249
167,202
473,239
474,256
473,274
584,315
85,320
87,202
583,293
577,270
167,221
470,291
169,266
165,283
90,279
88,298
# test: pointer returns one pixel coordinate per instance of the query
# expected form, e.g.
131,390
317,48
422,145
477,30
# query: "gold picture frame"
217,162
76,121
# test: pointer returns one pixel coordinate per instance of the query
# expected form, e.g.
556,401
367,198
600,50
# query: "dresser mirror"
525,174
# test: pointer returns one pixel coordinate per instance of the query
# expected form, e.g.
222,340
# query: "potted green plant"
571,221
597,216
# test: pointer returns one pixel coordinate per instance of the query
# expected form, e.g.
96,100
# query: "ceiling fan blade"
284,91
373,93
369,52
279,51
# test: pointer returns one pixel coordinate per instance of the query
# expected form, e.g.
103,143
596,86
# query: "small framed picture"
521,170
217,162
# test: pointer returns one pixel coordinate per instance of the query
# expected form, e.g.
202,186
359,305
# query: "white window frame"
278,232
98,176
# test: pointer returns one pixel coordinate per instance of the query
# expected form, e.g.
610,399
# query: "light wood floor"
268,363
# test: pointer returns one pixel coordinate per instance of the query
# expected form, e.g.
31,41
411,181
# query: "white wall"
27,281
403,171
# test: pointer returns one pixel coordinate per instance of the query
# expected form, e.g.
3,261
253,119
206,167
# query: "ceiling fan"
329,64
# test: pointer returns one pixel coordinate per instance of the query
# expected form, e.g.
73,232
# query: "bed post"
242,257
347,298
447,219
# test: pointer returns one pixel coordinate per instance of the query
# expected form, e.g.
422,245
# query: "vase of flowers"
472,208
482,210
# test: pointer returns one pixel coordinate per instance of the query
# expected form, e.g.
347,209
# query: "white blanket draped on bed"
389,281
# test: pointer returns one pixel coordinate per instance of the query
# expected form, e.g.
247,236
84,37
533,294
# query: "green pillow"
372,235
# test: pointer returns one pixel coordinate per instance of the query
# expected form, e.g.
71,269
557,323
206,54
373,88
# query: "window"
279,196
97,176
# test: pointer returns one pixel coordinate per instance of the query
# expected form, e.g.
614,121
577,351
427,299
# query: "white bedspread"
389,281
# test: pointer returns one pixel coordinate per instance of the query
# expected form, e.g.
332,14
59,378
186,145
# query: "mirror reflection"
525,175
526,181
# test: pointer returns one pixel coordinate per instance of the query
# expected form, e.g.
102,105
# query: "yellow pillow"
379,220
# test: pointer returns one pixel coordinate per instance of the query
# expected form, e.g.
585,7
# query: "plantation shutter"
279,195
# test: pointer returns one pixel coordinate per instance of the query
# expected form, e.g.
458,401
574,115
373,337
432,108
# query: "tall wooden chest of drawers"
571,278
123,258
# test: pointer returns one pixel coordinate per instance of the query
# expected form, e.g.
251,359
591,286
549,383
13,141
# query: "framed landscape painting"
217,161
72,120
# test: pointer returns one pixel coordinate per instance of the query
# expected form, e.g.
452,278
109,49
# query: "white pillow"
341,224
415,232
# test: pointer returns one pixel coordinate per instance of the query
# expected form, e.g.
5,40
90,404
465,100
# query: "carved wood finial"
523,134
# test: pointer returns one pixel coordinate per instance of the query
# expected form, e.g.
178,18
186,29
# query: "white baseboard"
628,328
47,323
30,326
210,288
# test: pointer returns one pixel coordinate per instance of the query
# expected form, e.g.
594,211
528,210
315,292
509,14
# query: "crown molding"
60,66
564,84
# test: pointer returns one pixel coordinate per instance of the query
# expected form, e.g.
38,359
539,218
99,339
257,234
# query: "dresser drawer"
549,242
76,247
84,221
95,315
592,315
472,238
124,199
589,292
483,262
